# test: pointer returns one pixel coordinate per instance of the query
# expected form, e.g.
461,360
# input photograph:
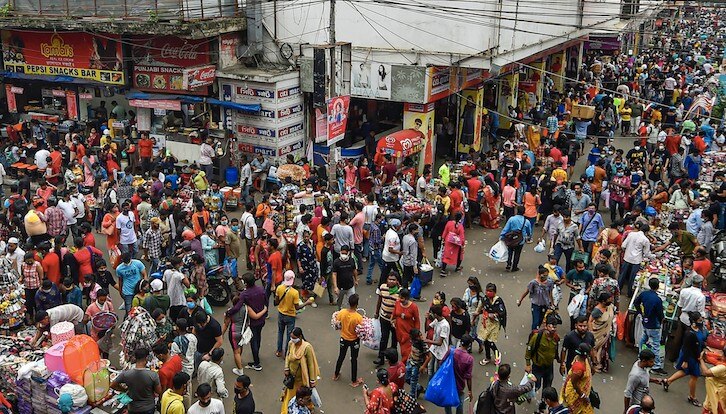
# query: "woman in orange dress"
108,227
454,240
489,217
323,227
405,317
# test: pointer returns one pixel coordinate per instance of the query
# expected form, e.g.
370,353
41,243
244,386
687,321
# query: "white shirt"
69,210
17,258
391,240
65,313
206,152
40,159
245,177
125,224
212,374
80,203
421,188
636,247
669,84
662,136
2,174
369,211
175,289
441,330
215,407
188,358
691,300
249,226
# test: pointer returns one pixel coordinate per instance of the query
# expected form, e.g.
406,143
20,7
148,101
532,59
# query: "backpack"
19,207
485,402
107,203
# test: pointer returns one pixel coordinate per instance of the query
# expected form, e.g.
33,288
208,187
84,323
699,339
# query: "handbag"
454,238
515,237
246,332
594,398
289,381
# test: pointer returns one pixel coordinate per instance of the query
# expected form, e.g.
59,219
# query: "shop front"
55,77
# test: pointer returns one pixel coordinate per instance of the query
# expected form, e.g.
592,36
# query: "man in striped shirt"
387,296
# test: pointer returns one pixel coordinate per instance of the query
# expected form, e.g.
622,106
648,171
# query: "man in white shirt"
391,249
421,186
210,372
176,282
206,404
79,201
342,234
15,254
41,159
245,178
127,231
61,313
636,247
249,230
70,210
691,299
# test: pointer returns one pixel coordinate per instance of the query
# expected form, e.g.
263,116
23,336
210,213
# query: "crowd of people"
165,228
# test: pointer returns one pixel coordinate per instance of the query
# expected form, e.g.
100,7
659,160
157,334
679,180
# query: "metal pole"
331,92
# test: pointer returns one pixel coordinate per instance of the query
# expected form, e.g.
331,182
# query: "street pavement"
339,397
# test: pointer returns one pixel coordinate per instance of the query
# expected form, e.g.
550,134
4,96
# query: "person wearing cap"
15,254
391,249
287,300
157,299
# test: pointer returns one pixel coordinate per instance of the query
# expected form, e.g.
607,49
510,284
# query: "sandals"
484,362
665,385
694,402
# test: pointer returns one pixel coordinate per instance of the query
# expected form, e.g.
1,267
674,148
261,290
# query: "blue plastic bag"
231,265
416,287
441,389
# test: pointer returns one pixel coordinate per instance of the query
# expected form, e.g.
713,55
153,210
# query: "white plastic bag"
605,196
540,247
374,341
573,308
498,252
532,393
557,295
316,398
77,393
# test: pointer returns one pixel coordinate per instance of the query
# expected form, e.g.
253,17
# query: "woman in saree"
489,217
601,326
300,363
611,239
578,384
405,317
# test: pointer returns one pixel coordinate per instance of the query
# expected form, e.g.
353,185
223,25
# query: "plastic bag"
540,247
416,287
532,393
441,389
573,308
605,196
231,266
77,393
316,398
499,252
373,341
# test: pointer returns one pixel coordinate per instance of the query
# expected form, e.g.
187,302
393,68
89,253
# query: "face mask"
46,291
295,340
235,228
87,284
436,302
224,222
191,305
637,148
510,174
661,148
162,321
344,257
620,174
205,404
100,304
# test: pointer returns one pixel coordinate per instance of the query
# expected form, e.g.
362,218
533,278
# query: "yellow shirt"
199,182
349,320
656,115
560,175
172,403
287,304
446,201
715,388
625,114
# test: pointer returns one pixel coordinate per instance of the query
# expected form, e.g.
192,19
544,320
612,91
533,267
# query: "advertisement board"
160,63
199,76
96,57
371,80
420,117
337,118
470,119
12,105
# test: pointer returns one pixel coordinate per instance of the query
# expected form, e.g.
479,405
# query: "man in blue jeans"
287,300
375,244
129,273
650,306
463,364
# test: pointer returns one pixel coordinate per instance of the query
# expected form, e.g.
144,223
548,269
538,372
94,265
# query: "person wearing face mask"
176,282
688,362
49,296
209,246
127,233
601,326
233,241
620,187
541,353
551,224
493,316
302,365
637,154
539,291
206,404
387,297
244,401
101,304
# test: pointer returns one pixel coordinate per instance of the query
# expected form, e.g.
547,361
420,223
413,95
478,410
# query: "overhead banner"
82,55
160,63
165,104
420,117
371,80
12,105
470,118
72,105
337,118
443,81
557,69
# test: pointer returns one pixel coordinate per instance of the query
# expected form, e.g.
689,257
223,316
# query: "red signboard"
82,55
72,105
166,104
337,118
199,76
159,62
12,105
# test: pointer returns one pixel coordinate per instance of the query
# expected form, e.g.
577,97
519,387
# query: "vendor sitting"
64,313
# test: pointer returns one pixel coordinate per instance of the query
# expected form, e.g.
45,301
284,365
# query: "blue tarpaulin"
194,99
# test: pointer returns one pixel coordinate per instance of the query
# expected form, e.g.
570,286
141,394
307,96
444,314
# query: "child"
396,368
415,361
90,288
103,277
185,345
72,293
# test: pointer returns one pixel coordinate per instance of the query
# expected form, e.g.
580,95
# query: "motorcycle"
221,280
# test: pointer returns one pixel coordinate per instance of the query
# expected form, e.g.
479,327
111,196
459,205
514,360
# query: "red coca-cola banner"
160,63
199,76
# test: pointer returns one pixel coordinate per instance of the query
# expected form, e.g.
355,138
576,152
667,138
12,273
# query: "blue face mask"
191,305
235,228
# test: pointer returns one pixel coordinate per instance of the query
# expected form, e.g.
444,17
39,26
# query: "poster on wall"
557,70
12,105
371,80
470,118
421,118
337,118
75,54
72,105
228,43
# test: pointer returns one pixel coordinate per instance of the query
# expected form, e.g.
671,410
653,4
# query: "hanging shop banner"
470,118
82,55
507,97
557,69
321,126
371,80
12,105
143,119
337,118
199,77
85,96
160,62
166,104
72,105
228,43
420,117
443,81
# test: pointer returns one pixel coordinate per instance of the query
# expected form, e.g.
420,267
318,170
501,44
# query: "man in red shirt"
171,365
50,262
84,258
701,263
389,170
672,142
555,154
456,196
146,150
474,184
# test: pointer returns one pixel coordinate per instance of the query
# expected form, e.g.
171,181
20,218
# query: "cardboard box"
583,111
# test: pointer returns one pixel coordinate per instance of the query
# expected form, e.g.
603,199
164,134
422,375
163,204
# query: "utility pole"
331,90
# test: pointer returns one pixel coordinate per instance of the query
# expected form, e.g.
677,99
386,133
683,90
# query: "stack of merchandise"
12,301
137,331
716,309
712,162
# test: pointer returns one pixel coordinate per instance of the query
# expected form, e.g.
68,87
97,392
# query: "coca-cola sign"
199,76
184,52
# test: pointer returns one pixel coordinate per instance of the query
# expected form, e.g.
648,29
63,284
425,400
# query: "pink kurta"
452,252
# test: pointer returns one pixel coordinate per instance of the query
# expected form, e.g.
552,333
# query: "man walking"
650,306
345,275
521,224
636,248
391,249
463,364
387,297
572,341
349,320
639,380
409,255
141,384
542,352
590,226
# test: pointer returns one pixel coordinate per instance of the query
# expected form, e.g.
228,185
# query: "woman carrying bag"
578,384
301,367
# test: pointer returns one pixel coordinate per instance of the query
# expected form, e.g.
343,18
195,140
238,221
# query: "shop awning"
252,108
402,143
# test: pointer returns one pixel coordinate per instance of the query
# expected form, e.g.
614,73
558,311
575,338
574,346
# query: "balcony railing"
155,10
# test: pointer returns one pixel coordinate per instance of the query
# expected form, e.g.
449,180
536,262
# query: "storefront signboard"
85,95
160,63
167,104
420,117
16,90
443,81
371,80
96,57
256,149
337,118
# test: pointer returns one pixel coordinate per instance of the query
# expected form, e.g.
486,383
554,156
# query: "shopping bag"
318,290
605,195
441,389
230,265
540,247
426,272
621,325
373,339
315,398
416,287
532,393
498,252
573,308
439,255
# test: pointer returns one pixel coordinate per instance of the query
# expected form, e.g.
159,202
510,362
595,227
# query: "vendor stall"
401,145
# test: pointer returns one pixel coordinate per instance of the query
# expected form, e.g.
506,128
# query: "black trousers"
408,274
354,349
255,343
387,331
544,375
513,255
